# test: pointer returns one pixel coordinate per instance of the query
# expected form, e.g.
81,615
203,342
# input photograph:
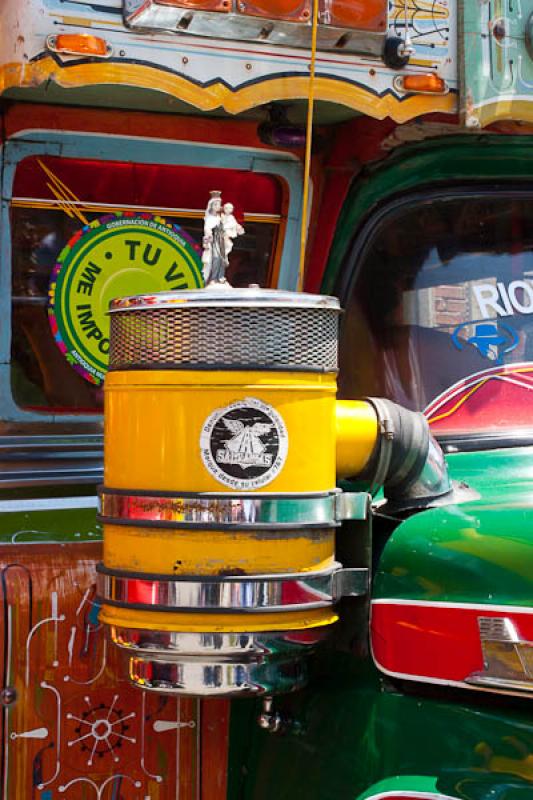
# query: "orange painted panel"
289,10
366,15
215,731
72,726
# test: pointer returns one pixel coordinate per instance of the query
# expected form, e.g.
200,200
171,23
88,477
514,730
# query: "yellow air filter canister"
219,505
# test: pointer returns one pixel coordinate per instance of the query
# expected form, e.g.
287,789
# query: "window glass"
440,314
56,201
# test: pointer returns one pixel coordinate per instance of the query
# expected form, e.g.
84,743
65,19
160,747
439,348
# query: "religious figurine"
220,229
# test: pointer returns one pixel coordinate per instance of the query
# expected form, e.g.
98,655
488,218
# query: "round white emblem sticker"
244,445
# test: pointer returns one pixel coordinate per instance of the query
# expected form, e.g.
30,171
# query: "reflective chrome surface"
352,505
45,460
222,299
214,646
239,329
149,15
196,678
257,510
252,593
217,664
507,658
434,480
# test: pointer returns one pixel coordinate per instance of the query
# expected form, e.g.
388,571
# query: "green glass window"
439,314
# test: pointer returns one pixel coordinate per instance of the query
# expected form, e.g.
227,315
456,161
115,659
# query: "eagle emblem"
245,447
244,444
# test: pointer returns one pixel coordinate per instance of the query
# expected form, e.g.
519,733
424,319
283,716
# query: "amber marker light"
421,84
288,10
198,5
367,15
79,44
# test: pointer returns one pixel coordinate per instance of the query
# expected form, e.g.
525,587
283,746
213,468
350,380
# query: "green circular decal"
117,255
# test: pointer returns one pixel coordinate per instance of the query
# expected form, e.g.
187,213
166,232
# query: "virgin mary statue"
214,254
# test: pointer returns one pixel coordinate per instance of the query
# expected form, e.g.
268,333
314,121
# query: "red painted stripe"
435,641
232,132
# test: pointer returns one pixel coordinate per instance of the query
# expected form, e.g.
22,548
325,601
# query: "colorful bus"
380,152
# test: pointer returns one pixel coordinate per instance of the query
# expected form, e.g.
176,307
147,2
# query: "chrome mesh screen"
224,337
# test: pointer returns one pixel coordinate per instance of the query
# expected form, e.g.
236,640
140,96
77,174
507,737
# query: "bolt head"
8,696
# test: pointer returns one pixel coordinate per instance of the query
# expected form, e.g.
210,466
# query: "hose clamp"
256,510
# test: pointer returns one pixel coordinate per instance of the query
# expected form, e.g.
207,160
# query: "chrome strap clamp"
237,593
258,510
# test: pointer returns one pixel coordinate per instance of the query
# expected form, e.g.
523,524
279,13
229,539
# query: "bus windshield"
439,316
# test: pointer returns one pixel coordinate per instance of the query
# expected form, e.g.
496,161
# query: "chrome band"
246,298
217,664
172,645
251,593
218,678
257,510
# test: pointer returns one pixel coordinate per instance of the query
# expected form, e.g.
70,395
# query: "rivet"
8,695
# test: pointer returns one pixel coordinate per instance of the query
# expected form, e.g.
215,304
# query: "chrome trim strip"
151,15
32,475
250,510
507,657
219,298
250,593
42,460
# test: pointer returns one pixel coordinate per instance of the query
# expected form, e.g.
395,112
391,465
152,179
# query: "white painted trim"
417,795
503,98
409,676
466,606
48,504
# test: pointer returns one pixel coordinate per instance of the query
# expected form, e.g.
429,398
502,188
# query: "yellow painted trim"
308,147
249,380
216,623
82,22
220,96
55,205
512,110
